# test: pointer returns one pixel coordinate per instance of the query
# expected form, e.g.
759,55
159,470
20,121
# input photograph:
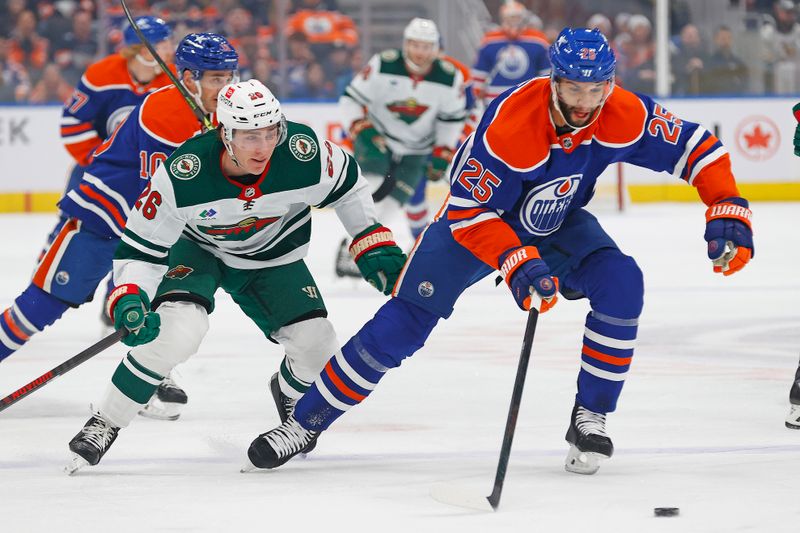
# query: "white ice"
699,424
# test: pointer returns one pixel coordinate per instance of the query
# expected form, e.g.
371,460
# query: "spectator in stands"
724,73
782,44
338,68
14,83
688,62
27,47
313,85
52,88
602,23
638,51
78,48
322,27
53,24
9,12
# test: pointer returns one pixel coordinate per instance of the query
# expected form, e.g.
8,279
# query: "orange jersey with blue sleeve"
515,179
104,96
123,163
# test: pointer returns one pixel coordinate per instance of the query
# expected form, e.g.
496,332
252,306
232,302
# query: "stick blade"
460,496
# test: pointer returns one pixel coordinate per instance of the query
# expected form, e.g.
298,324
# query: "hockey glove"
729,235
129,308
368,143
378,257
796,110
440,158
527,275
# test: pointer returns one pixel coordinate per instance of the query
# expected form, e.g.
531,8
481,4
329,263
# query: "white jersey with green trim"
261,223
412,113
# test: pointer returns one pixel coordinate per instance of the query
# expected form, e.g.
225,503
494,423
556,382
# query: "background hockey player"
97,207
509,55
793,418
108,91
232,209
404,111
518,188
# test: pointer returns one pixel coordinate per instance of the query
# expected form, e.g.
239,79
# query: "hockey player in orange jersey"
518,188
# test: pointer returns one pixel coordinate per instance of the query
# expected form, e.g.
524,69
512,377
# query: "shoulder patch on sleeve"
622,119
390,55
185,166
447,66
302,146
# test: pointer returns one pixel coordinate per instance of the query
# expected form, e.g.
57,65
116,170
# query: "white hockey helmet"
422,30
249,105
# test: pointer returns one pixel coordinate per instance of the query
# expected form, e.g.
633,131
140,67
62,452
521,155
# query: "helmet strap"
198,95
227,140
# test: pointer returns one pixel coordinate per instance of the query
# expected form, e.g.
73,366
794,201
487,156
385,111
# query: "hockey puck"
666,511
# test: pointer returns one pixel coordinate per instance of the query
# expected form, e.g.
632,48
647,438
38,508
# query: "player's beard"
574,118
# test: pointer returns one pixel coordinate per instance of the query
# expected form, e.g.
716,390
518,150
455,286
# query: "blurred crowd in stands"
45,45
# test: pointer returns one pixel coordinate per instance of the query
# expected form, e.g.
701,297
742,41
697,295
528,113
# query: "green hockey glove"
129,308
378,257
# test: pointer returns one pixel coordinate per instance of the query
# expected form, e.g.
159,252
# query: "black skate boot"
588,441
793,418
345,266
276,446
91,443
167,402
285,406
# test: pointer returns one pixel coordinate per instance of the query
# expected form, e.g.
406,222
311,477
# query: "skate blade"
75,464
585,463
793,419
158,410
248,467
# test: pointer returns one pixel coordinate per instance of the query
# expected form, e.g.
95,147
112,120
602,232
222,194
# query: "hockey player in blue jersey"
111,88
518,190
97,207
793,418
509,55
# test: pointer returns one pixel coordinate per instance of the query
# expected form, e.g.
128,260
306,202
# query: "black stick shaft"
61,369
185,93
513,409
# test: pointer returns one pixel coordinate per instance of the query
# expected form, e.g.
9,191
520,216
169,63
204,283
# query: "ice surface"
699,426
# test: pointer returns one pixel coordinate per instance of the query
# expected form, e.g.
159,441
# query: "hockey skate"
589,443
167,402
793,418
276,446
285,405
345,266
91,443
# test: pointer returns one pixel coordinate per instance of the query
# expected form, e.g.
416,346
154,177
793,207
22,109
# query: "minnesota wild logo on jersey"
240,231
408,110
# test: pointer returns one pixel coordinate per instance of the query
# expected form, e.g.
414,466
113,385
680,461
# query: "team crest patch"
390,55
303,147
425,289
179,272
185,167
545,207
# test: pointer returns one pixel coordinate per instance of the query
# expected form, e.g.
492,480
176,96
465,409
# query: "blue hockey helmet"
153,28
581,54
198,52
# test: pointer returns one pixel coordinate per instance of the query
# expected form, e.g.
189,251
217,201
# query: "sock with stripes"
397,331
130,389
30,313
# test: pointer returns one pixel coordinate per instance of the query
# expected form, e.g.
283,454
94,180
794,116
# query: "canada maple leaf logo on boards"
757,138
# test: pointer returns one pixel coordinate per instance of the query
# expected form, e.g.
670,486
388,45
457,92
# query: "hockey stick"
461,497
184,92
61,369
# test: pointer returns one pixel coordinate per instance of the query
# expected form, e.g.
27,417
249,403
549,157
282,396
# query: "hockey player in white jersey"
231,209
404,112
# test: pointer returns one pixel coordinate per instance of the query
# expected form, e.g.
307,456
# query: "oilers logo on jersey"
545,207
